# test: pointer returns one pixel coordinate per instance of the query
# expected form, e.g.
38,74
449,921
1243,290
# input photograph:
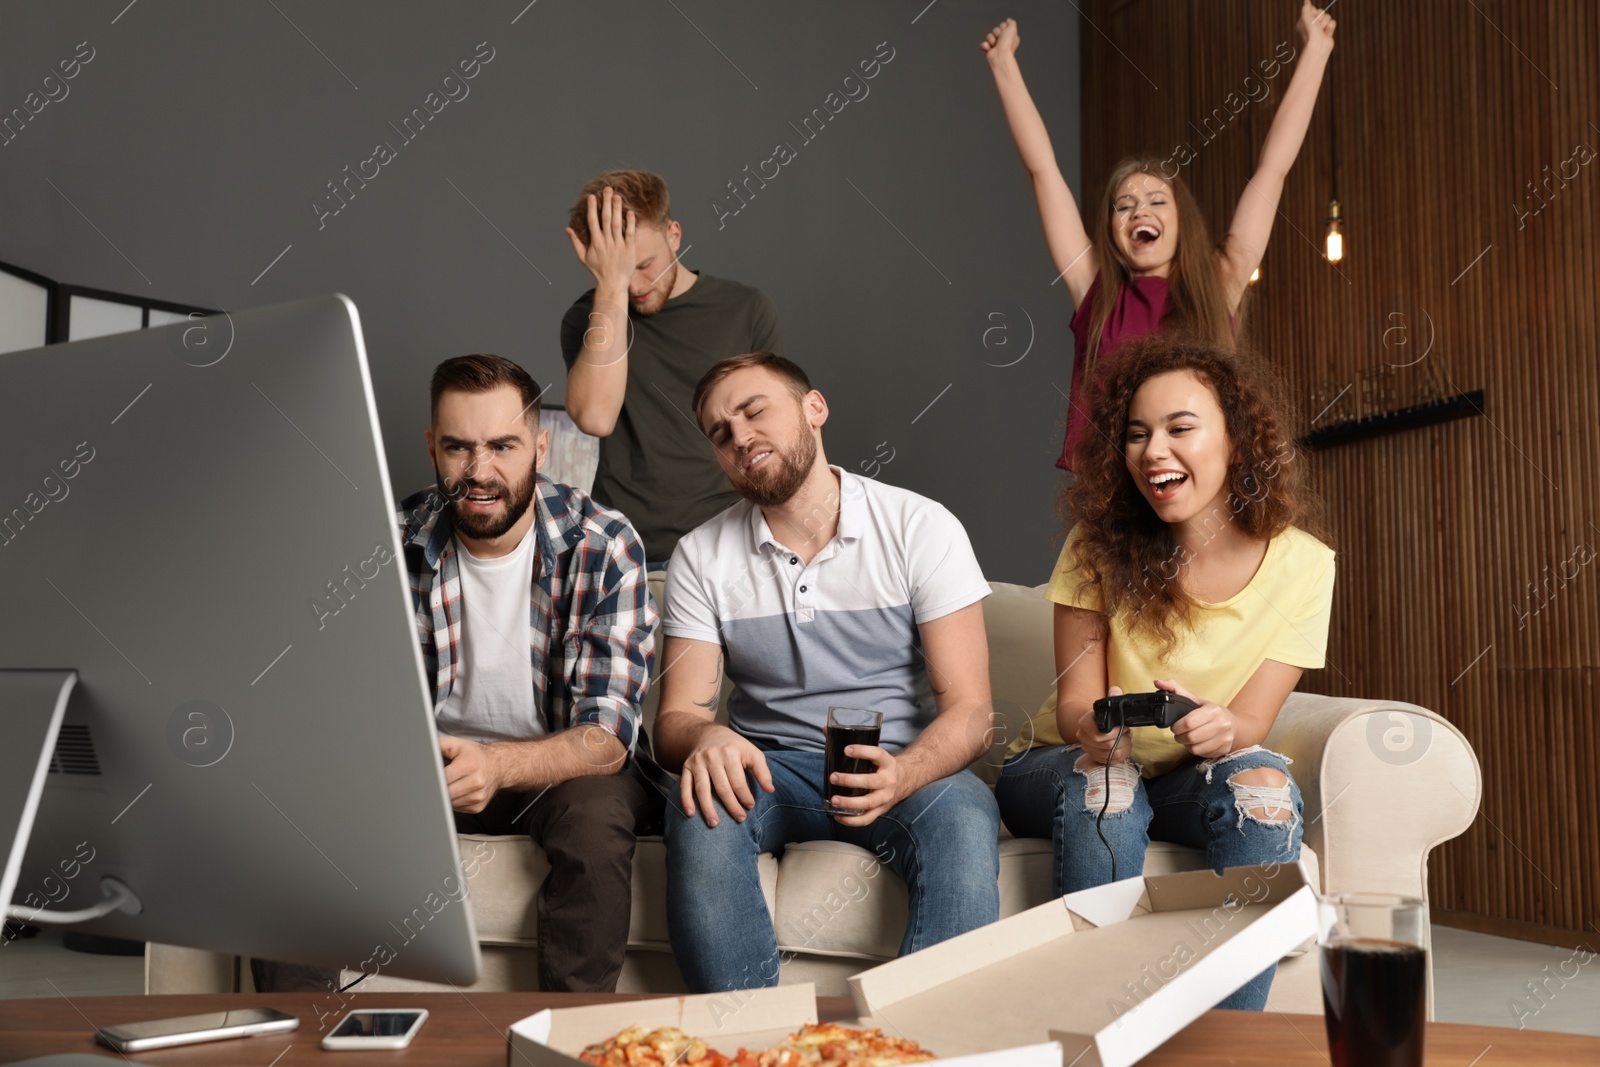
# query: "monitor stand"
33,704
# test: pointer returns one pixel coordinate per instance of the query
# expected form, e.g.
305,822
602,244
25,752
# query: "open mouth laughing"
1165,484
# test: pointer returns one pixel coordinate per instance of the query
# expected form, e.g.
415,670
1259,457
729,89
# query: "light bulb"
1335,238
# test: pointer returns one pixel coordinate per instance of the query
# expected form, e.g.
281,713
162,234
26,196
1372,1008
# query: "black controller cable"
1106,801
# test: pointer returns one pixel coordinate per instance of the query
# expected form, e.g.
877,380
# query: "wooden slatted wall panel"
1446,111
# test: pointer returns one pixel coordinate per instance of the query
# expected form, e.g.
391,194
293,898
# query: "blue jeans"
942,840
1042,793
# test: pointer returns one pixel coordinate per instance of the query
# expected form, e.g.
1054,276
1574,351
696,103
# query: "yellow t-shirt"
1282,615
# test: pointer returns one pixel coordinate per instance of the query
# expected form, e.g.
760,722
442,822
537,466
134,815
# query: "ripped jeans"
1042,792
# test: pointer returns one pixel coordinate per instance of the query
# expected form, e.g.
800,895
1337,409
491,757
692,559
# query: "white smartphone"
376,1028
191,1029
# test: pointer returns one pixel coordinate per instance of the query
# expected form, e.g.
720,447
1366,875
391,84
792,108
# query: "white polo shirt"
840,631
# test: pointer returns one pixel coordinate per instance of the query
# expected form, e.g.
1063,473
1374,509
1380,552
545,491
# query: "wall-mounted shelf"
1430,413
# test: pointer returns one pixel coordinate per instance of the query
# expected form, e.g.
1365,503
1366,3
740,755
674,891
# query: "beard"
658,295
512,505
777,480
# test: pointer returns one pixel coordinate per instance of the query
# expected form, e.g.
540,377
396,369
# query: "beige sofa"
1383,782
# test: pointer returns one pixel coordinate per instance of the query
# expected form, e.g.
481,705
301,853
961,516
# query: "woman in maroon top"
1153,265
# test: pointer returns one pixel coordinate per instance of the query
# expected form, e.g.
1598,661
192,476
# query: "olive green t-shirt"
657,468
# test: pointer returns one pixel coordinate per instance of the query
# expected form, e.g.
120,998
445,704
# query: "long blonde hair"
1196,301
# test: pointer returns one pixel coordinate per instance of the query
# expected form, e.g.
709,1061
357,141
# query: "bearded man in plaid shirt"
536,627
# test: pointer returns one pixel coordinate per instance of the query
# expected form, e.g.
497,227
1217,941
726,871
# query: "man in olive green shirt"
636,345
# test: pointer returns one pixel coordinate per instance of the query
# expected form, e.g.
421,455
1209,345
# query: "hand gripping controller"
1160,708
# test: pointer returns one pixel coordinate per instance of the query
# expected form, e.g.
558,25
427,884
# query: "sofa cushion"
827,898
837,899
1018,621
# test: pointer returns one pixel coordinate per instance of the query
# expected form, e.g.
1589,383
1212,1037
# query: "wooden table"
464,1030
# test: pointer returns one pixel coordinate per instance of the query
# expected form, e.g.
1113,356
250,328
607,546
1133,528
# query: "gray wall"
196,141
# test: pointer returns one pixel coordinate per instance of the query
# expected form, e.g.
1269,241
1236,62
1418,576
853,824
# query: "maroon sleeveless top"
1138,311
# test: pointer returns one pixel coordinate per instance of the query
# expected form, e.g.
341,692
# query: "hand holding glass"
848,726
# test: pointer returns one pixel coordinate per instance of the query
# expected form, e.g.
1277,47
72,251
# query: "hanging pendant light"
1250,143
1335,237
1333,241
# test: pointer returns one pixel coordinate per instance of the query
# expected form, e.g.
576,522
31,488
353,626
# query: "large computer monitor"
196,522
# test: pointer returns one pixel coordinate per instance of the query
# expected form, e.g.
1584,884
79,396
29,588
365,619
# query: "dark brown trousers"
587,828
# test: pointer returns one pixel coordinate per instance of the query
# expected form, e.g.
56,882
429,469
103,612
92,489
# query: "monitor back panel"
198,519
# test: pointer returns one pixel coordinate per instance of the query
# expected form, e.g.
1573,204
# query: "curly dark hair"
1128,552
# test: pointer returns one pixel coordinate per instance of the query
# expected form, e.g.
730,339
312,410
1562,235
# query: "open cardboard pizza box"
1096,979
1109,973
752,1018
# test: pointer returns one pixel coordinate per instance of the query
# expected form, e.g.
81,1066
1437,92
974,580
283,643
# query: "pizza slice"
832,1045
665,1046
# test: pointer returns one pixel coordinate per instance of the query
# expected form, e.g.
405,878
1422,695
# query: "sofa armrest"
1384,782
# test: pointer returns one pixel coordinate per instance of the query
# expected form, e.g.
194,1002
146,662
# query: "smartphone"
376,1028
191,1029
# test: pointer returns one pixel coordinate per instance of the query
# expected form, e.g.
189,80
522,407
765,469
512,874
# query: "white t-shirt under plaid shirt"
492,698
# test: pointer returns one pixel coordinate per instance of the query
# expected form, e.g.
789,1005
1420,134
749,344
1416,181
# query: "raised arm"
598,379
1064,231
1252,222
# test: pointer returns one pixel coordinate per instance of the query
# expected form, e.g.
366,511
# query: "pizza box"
751,1018
1095,979
1108,973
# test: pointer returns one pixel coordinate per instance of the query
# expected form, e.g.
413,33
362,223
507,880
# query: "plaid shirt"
592,616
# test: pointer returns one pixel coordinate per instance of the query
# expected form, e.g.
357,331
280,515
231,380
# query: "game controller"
1160,708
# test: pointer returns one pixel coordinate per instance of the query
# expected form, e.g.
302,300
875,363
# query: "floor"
1479,979
41,966
1495,981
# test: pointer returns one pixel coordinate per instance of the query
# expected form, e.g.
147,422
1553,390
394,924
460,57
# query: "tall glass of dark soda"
1374,978
848,726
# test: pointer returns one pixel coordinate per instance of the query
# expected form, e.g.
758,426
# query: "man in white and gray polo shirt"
820,589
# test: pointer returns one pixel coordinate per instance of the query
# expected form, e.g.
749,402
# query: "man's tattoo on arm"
716,680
